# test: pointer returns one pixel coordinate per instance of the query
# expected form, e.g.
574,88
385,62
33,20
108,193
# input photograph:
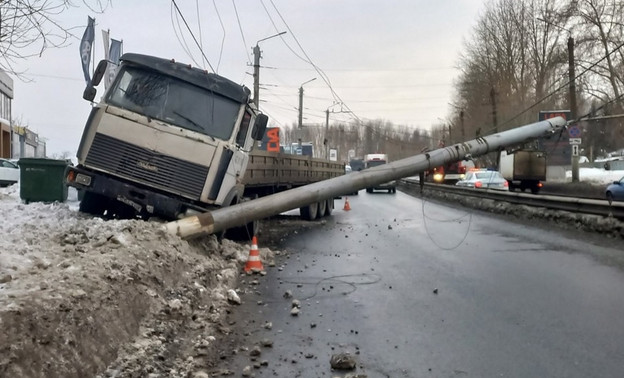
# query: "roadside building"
6,98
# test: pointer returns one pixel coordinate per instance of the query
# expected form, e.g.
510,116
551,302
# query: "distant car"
615,191
484,179
9,173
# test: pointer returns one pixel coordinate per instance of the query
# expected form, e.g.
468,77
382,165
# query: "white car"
484,179
9,173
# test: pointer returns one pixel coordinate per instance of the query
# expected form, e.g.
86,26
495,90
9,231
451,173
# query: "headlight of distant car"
438,177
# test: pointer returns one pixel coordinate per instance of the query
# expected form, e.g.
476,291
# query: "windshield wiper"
197,125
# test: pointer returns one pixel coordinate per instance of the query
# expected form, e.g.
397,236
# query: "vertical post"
573,110
461,122
493,100
300,123
326,132
256,75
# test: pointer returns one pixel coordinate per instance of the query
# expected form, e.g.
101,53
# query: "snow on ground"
81,296
597,175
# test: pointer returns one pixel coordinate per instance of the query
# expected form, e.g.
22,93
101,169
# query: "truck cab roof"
195,76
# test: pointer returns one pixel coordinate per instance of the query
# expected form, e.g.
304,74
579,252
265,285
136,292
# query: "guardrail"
571,204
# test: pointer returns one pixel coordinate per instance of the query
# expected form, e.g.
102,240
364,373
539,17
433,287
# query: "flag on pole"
105,39
113,58
115,51
85,48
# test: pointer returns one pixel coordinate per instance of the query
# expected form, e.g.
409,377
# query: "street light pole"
573,109
300,124
256,74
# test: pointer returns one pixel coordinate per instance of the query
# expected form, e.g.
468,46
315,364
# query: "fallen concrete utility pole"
243,213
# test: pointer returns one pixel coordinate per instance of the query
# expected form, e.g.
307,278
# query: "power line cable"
192,35
240,27
563,87
180,37
200,31
222,39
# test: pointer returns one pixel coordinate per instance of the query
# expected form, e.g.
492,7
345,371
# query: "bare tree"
29,27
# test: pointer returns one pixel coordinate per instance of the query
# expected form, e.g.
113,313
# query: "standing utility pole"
300,124
461,122
573,110
493,100
256,73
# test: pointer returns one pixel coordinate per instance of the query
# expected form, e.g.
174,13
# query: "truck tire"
93,204
322,209
309,212
330,207
369,190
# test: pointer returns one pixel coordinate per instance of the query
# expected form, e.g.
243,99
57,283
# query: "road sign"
545,114
574,132
575,141
575,150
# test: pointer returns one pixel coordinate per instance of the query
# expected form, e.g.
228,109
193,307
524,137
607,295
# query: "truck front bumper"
144,201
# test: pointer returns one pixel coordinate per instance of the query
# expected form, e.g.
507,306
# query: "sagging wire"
192,35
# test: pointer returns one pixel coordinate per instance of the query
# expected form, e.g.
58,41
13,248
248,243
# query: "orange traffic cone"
253,262
346,207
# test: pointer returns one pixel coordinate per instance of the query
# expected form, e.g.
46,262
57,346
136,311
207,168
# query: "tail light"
506,184
478,184
539,185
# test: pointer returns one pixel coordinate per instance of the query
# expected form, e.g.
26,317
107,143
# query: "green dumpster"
42,180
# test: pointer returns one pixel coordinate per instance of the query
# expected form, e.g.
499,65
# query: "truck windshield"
174,101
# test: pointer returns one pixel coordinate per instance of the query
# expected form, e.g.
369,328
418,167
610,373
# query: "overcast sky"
393,60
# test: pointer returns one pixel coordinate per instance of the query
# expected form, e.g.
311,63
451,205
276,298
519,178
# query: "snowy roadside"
81,296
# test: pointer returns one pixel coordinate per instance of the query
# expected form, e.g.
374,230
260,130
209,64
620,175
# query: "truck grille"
147,167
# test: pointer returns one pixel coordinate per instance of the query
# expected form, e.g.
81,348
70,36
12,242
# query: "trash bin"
42,180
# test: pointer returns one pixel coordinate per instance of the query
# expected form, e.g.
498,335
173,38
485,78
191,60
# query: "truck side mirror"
259,127
100,70
89,93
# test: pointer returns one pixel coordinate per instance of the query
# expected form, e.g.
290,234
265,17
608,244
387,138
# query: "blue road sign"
574,132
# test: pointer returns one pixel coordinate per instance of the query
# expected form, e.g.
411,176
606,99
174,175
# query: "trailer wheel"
330,206
322,209
309,212
93,204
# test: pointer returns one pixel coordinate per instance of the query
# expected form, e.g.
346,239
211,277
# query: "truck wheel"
93,204
369,190
309,212
322,209
330,206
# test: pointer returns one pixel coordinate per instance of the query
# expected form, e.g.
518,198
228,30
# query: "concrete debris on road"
232,297
342,361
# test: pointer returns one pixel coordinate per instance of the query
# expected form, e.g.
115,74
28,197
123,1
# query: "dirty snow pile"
81,296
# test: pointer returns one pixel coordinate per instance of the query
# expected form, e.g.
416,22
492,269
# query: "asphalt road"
417,289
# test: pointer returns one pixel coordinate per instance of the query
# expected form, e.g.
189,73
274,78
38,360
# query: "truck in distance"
523,169
375,160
